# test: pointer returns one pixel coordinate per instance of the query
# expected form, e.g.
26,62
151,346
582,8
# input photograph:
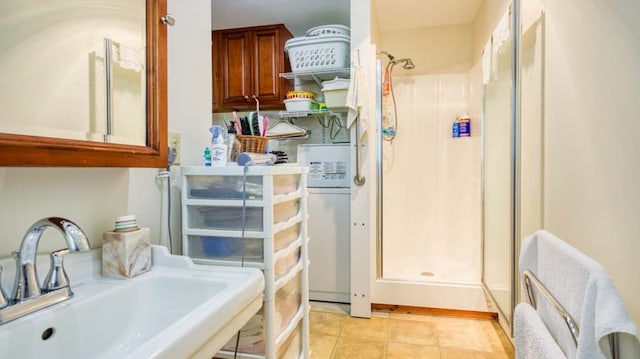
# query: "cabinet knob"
246,97
168,20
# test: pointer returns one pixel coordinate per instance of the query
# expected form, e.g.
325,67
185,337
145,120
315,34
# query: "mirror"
103,105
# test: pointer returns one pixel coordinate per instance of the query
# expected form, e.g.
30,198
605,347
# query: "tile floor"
336,335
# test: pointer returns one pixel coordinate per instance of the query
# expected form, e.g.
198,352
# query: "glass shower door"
498,165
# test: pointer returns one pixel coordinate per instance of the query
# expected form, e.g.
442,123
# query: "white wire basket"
318,52
329,30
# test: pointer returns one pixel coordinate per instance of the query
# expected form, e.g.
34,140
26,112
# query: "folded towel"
584,289
532,338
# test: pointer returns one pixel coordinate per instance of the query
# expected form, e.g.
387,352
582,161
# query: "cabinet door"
232,76
267,58
248,62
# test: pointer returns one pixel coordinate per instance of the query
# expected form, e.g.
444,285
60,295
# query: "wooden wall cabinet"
246,63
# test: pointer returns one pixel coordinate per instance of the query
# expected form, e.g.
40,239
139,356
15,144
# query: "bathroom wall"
93,197
591,170
434,49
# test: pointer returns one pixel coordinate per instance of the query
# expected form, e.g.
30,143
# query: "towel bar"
529,279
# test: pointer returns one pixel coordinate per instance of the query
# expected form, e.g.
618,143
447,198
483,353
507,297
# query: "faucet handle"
56,278
4,301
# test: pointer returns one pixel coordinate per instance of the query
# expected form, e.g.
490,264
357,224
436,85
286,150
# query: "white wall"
94,197
592,91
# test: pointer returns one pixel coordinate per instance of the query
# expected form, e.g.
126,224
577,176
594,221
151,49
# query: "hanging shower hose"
389,132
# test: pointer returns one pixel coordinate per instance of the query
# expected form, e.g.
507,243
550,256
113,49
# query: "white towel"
532,339
356,100
584,289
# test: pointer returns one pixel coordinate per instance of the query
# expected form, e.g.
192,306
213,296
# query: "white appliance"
328,165
328,207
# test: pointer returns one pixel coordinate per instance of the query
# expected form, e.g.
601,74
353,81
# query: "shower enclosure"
429,191
443,205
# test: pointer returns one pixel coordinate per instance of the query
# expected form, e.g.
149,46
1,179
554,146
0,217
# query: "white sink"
177,310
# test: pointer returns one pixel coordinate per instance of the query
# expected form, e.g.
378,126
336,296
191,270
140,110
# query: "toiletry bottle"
455,130
465,125
218,148
207,157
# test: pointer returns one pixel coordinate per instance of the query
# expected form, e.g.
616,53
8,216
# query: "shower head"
407,63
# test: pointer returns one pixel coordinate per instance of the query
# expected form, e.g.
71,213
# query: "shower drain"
427,274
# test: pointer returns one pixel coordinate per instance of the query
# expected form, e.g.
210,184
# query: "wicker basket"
256,144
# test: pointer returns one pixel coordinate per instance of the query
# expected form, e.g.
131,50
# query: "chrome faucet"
28,295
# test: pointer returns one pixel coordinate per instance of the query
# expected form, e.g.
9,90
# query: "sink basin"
177,310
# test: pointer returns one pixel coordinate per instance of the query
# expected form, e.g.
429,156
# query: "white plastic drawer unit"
231,218
233,187
258,220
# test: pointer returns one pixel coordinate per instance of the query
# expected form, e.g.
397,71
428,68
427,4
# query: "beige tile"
330,307
456,353
415,317
326,323
322,346
373,329
412,332
463,334
380,314
500,343
356,348
405,351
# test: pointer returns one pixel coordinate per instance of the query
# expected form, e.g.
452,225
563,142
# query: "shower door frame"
515,196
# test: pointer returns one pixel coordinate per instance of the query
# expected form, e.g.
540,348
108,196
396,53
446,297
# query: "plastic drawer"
229,218
283,238
225,218
226,248
286,263
288,300
230,187
292,346
252,336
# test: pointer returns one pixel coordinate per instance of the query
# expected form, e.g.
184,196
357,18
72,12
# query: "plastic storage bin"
335,98
300,104
318,52
326,30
